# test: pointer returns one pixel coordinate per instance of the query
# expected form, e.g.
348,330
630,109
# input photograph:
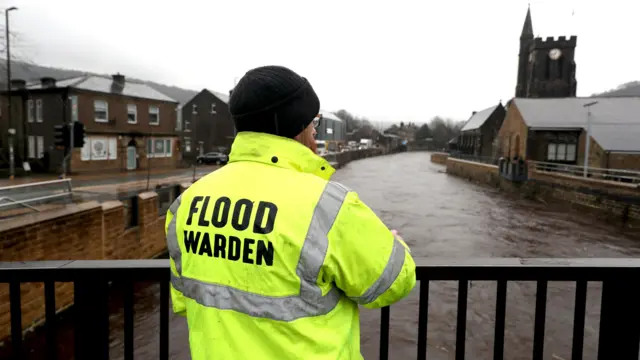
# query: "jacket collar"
278,151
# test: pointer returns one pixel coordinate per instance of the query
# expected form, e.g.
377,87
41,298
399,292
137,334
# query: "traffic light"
61,135
78,134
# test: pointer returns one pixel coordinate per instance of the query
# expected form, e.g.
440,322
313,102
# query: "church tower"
546,67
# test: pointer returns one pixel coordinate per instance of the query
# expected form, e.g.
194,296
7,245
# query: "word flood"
241,212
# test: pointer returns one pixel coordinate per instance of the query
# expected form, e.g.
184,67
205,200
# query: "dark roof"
29,71
330,116
392,136
479,118
187,95
104,84
615,121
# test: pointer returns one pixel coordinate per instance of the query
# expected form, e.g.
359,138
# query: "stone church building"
546,67
546,122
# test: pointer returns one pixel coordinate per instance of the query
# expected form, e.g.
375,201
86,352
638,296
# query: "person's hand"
397,236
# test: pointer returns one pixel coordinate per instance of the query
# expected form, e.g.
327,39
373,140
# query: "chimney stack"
48,82
473,113
118,79
118,83
18,84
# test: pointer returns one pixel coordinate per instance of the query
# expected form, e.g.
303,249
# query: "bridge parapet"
129,229
619,314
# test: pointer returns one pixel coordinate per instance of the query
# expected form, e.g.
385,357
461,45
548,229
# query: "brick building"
128,125
478,134
555,130
205,124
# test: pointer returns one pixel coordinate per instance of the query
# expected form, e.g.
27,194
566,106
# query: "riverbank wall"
607,200
439,158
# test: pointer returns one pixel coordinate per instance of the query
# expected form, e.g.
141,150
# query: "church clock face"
554,54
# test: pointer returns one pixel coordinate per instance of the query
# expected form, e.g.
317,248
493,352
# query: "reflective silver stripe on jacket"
309,302
172,236
388,276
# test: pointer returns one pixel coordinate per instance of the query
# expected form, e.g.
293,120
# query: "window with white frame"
32,146
551,152
99,148
39,110
159,147
132,113
187,144
571,152
561,152
35,145
40,146
100,111
154,115
213,109
30,111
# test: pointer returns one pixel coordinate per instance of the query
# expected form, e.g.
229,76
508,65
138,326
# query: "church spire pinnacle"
527,28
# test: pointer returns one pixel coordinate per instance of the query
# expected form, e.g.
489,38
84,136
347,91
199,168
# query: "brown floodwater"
440,216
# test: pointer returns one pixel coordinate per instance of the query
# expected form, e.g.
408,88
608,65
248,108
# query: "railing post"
619,319
91,310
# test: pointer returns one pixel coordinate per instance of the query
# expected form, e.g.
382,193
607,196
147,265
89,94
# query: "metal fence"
619,315
33,194
627,176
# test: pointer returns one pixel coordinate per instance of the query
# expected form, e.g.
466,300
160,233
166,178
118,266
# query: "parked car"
217,158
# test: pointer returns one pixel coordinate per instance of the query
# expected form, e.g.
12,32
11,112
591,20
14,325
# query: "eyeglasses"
316,120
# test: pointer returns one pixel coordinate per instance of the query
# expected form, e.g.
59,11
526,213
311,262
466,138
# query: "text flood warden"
249,250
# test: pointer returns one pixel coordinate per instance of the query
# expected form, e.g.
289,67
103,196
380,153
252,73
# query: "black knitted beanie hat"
273,100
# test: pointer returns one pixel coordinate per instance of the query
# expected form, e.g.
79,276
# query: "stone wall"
86,231
439,158
341,159
609,199
474,171
606,199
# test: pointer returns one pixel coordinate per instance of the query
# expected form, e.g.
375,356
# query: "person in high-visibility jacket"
269,258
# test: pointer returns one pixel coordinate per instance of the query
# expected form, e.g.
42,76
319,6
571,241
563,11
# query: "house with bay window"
555,130
128,125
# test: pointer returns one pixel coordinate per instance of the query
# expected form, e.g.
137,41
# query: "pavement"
113,178
104,187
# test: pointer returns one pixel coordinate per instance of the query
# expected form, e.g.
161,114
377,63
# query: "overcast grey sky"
389,61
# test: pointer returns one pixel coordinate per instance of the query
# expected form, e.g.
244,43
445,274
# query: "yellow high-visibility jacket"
270,259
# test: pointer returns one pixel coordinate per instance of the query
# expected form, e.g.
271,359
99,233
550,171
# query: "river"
446,217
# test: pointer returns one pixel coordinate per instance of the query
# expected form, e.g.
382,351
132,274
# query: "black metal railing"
619,335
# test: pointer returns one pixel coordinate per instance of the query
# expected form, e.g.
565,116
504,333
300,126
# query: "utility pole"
588,138
72,127
149,154
12,130
194,114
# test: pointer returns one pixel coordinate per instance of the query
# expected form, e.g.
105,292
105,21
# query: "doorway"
132,155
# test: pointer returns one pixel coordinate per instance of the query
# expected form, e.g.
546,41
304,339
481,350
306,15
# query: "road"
102,189
443,216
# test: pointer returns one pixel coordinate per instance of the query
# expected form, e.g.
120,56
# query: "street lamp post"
12,131
587,138
194,115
